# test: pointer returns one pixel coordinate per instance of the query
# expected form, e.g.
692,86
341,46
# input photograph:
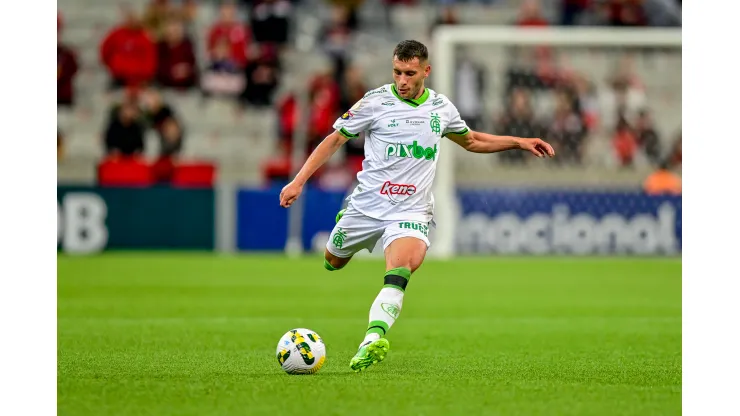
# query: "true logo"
423,228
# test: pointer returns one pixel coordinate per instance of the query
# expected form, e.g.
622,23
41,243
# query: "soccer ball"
301,351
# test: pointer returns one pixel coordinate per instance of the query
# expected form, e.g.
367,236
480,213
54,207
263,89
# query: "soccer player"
404,123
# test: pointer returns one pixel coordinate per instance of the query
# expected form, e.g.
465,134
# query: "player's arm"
349,126
479,142
316,159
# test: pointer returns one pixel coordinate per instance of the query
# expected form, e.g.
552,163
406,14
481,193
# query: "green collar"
412,102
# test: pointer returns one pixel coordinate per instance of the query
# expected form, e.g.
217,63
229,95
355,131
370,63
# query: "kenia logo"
397,192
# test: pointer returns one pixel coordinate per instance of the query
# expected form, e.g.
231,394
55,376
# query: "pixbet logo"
410,150
397,192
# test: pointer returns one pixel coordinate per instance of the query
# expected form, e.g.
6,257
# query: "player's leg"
405,253
352,233
332,262
406,245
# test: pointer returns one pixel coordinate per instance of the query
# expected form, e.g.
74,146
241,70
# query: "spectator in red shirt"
323,115
176,58
129,53
530,14
625,143
324,99
287,111
66,71
627,13
230,29
326,80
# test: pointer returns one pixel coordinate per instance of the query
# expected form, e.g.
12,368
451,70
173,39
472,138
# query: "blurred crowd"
153,50
618,107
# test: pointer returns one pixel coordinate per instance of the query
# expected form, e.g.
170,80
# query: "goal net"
608,99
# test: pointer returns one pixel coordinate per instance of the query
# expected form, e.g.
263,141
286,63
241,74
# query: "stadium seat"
124,172
194,175
276,169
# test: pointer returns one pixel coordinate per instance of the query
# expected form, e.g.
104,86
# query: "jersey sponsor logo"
438,101
393,123
377,91
388,103
412,150
347,115
415,122
397,192
423,228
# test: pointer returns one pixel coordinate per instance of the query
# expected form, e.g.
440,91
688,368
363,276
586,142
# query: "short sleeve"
356,120
456,125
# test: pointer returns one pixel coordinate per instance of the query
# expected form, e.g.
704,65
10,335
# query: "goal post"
447,39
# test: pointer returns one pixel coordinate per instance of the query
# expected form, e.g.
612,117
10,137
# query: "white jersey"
402,139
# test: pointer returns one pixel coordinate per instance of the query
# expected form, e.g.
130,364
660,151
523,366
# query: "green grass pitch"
195,334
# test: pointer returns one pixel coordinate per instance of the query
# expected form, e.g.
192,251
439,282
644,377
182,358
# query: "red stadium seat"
124,172
277,168
194,175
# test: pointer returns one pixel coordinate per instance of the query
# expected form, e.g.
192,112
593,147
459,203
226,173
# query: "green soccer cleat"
340,214
369,354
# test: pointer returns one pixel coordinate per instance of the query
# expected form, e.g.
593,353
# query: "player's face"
409,76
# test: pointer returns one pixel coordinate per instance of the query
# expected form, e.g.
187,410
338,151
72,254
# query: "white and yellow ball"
301,351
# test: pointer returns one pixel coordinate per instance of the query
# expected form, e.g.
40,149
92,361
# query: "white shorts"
356,231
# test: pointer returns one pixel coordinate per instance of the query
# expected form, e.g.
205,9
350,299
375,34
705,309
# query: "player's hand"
538,147
290,193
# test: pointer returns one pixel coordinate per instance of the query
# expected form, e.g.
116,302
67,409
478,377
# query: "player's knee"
332,262
405,252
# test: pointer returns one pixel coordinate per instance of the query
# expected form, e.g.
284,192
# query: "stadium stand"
247,142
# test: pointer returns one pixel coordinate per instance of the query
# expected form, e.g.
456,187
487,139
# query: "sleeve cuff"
459,133
347,134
